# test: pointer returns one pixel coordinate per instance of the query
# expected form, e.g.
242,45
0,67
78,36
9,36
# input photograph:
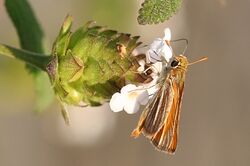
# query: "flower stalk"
37,60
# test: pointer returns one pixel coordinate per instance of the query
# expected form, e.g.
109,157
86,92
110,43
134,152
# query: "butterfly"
159,121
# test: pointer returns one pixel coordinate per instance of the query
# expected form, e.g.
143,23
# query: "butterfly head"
179,62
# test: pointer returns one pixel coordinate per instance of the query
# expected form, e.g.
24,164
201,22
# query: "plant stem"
37,60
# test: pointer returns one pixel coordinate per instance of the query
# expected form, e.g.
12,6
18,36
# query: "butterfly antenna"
197,61
182,39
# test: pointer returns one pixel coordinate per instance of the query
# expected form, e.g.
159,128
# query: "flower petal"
132,106
143,97
167,35
117,102
157,44
152,91
126,89
166,52
153,54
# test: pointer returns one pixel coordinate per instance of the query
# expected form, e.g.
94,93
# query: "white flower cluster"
131,96
130,99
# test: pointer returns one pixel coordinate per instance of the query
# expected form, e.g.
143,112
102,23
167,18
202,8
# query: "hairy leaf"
156,11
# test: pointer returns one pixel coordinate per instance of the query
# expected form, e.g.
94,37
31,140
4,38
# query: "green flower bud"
92,63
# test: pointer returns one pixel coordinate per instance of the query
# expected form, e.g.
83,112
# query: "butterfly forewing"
155,113
157,109
166,138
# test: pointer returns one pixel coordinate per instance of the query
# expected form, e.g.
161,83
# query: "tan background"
215,127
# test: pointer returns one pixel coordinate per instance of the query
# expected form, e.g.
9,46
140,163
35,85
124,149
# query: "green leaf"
44,92
156,11
28,29
31,38
38,60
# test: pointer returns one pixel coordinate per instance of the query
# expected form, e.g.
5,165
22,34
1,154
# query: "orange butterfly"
160,120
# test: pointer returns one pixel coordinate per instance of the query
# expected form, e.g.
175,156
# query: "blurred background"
215,123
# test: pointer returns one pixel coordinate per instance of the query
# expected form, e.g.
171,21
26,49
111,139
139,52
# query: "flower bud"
92,63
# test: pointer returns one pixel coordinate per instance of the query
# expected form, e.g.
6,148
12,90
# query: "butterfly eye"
174,63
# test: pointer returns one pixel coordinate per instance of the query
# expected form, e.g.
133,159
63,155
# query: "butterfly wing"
154,115
166,138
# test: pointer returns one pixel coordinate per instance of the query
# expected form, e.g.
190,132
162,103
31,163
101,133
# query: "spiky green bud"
91,64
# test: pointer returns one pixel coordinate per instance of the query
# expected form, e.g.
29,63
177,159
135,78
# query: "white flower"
130,99
160,49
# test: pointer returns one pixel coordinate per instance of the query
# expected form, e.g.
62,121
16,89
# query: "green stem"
37,60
